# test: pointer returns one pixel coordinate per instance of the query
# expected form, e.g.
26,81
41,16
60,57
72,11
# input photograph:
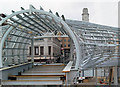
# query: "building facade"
65,45
46,49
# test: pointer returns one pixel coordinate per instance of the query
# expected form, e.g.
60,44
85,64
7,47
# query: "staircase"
50,74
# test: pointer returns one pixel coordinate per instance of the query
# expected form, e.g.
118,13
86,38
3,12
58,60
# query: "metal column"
1,62
115,76
66,82
93,72
83,73
71,50
96,76
32,50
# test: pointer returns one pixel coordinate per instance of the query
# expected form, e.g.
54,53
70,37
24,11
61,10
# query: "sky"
103,12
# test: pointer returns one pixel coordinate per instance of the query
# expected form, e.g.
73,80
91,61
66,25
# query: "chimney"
85,15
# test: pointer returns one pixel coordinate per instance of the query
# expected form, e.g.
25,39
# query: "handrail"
5,68
68,67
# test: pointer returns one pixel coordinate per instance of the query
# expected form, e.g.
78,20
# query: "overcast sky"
103,12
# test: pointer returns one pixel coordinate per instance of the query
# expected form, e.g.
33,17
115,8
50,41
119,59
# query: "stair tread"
31,82
43,73
27,80
37,76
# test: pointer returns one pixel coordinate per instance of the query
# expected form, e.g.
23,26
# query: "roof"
92,27
85,24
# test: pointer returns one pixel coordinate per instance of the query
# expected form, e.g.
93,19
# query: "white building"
46,48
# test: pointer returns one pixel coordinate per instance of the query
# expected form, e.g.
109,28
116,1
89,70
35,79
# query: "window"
41,50
68,45
29,50
64,40
49,50
36,50
68,40
64,45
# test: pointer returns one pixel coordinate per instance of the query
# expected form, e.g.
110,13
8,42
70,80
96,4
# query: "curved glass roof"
94,44
22,27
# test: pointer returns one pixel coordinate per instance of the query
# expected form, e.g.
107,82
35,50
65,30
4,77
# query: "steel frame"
93,45
27,25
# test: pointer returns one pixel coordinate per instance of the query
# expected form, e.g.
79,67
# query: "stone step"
31,82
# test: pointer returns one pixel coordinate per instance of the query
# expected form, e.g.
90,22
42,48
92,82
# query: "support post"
66,83
45,48
104,71
82,73
32,50
1,62
96,76
115,76
71,50
93,72
6,62
110,76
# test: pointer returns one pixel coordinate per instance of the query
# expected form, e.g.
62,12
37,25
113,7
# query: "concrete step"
38,78
42,73
49,74
53,68
48,68
32,82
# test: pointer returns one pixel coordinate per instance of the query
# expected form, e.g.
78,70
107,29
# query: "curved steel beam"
65,27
